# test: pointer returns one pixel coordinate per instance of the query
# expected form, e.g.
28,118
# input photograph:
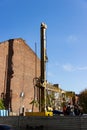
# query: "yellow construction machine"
41,82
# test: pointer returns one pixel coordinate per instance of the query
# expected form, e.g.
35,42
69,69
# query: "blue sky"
66,35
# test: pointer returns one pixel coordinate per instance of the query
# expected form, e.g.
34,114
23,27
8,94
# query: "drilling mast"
43,67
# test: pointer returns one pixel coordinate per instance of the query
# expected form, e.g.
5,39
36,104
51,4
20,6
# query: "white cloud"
82,68
72,39
69,67
50,74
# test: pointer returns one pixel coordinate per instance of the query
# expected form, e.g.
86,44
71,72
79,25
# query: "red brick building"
17,70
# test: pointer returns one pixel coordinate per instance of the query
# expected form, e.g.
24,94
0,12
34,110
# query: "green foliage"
83,100
2,104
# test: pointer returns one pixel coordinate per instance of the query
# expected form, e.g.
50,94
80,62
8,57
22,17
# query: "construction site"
25,91
24,86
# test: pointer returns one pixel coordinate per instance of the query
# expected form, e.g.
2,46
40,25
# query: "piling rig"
41,82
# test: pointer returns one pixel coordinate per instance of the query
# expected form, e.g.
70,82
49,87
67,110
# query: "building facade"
19,65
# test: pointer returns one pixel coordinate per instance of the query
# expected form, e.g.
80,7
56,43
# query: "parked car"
57,112
84,114
6,127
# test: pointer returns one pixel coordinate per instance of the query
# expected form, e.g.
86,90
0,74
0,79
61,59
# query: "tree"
2,104
83,100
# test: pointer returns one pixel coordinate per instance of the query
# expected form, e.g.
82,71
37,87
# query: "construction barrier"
4,112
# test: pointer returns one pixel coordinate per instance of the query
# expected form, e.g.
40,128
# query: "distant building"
17,71
60,97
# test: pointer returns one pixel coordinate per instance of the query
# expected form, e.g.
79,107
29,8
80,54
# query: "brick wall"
17,70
